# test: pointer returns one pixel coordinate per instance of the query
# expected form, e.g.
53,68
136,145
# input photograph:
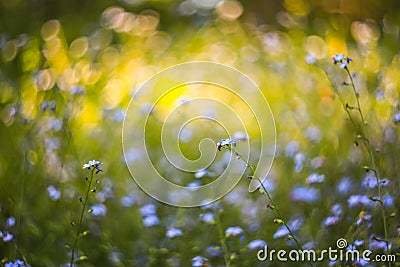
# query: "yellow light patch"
336,45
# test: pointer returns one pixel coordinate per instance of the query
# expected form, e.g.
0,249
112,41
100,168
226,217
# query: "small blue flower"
315,178
331,220
310,59
363,217
396,118
10,222
338,58
227,143
291,149
378,245
174,232
213,251
294,226
99,210
359,200
200,173
199,261
7,237
53,192
257,244
151,220
128,200
388,201
337,209
358,243
208,217
369,181
16,263
148,209
344,186
342,60
233,231
305,194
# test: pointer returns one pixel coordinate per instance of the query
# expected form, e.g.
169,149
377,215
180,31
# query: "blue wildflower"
213,251
305,194
363,217
291,149
375,244
294,226
233,231
208,217
128,200
344,186
388,201
99,210
148,209
257,244
359,200
199,261
151,220
174,232
10,221
337,209
396,118
331,220
200,173
16,263
315,178
53,192
7,237
358,243
342,60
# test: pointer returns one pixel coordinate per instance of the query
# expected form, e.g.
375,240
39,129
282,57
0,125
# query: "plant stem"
78,232
222,238
274,207
369,147
341,99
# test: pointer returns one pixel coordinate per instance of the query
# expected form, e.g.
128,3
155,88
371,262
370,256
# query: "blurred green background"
67,73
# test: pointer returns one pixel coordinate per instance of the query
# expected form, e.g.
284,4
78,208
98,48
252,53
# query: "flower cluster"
341,60
227,143
16,263
93,164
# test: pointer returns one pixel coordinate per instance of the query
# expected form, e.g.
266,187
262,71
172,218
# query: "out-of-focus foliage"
68,70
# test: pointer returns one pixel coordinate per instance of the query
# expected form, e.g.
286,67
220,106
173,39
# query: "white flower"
93,163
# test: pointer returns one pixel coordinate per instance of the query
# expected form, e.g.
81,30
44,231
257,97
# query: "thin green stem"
272,203
78,232
371,155
222,238
265,191
341,99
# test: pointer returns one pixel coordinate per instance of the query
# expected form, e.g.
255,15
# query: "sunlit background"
69,69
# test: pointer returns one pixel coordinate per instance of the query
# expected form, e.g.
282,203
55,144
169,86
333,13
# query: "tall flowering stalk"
231,145
362,134
94,167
